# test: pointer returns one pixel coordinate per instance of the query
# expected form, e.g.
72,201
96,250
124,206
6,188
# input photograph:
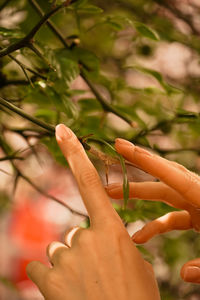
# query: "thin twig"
40,55
40,190
28,38
49,23
4,4
11,157
177,13
5,172
106,106
27,68
20,112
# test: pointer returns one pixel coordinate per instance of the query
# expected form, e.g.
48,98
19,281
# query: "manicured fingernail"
119,141
63,132
143,151
192,274
112,187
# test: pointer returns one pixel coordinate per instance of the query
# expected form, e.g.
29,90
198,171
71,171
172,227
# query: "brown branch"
106,106
4,4
20,112
177,13
40,190
27,68
10,157
49,23
26,41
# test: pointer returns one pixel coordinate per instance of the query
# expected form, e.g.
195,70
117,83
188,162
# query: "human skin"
178,187
101,262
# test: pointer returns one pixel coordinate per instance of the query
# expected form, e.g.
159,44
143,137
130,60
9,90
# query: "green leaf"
158,76
70,107
146,31
46,114
126,214
125,181
89,105
82,6
87,58
90,9
54,150
14,33
65,64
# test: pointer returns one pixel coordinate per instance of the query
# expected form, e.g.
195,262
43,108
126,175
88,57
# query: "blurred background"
106,69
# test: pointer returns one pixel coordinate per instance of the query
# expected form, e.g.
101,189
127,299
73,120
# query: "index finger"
91,189
177,178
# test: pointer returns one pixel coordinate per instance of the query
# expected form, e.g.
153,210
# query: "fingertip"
30,268
63,133
112,188
121,143
138,238
191,274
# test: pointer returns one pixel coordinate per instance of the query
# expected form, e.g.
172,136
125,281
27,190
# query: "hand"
101,262
179,188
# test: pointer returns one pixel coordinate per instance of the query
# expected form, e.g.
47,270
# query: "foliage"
103,44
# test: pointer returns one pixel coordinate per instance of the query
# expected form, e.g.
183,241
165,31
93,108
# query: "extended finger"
37,272
184,182
190,271
178,220
89,183
153,191
55,250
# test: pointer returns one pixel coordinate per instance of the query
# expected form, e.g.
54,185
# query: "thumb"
190,271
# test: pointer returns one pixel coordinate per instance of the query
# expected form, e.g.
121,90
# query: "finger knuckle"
178,166
85,238
62,256
89,177
75,149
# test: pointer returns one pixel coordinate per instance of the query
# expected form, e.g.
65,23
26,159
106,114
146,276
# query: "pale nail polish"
124,142
63,132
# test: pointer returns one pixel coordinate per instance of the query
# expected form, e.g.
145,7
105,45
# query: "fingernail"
63,132
143,151
124,142
112,187
192,274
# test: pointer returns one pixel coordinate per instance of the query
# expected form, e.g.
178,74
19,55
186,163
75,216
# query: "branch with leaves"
105,105
27,40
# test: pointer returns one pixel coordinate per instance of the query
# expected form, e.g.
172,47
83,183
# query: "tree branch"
49,23
106,106
27,68
177,13
20,112
10,157
4,4
40,190
26,41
